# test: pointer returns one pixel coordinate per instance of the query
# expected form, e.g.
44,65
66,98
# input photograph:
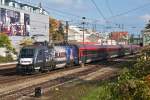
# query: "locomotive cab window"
27,53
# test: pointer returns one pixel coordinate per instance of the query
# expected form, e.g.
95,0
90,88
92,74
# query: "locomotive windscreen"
27,53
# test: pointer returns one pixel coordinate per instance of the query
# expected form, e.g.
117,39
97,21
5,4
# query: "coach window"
56,55
63,54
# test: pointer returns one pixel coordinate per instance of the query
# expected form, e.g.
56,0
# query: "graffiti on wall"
14,23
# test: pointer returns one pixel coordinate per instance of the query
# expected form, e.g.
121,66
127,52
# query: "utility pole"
50,34
139,39
94,26
83,23
67,28
122,27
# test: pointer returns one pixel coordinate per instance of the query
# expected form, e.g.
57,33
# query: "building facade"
120,37
19,20
76,34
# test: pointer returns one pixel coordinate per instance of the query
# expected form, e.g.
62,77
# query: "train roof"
88,46
92,47
34,46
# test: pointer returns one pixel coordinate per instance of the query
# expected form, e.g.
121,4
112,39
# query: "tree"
148,26
131,40
56,30
5,41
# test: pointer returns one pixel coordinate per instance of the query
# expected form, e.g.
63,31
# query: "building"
19,20
120,37
76,34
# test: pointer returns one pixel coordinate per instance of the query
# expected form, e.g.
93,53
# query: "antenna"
40,5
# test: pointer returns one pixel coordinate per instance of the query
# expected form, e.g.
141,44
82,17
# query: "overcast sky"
133,21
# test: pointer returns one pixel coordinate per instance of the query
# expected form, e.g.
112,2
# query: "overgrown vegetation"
56,30
6,59
5,42
131,84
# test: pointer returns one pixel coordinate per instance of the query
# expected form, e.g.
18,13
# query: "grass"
101,90
70,93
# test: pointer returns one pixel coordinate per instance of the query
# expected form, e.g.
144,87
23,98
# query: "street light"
83,23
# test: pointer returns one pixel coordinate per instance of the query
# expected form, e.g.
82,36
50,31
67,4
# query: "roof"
34,46
101,47
25,4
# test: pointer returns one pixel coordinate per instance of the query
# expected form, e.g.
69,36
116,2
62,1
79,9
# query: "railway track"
7,88
8,75
82,75
4,79
20,86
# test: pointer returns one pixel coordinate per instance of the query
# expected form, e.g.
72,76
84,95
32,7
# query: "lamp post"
83,23
66,33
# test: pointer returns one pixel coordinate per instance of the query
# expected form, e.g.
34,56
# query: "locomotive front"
26,60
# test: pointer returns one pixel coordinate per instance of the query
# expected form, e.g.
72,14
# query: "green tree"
147,26
5,41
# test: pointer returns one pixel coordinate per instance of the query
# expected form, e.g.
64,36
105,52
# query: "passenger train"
39,58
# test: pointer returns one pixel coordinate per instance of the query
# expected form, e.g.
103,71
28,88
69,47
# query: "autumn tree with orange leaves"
56,31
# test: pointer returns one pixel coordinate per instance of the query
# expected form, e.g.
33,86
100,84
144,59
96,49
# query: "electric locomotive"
39,58
34,58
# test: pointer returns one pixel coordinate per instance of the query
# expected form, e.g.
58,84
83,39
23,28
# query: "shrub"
126,87
131,90
142,67
6,42
131,83
8,58
129,87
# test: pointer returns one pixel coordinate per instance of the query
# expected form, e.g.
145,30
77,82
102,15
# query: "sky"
73,11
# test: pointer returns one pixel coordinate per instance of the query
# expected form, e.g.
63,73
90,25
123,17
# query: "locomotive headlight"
26,61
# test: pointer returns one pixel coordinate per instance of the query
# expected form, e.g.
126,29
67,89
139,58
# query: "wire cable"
99,11
131,10
109,8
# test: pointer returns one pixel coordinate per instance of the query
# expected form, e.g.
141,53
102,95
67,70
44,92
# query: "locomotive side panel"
60,56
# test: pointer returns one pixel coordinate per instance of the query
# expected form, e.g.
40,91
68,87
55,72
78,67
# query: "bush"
142,67
130,84
6,59
126,87
5,42
129,87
